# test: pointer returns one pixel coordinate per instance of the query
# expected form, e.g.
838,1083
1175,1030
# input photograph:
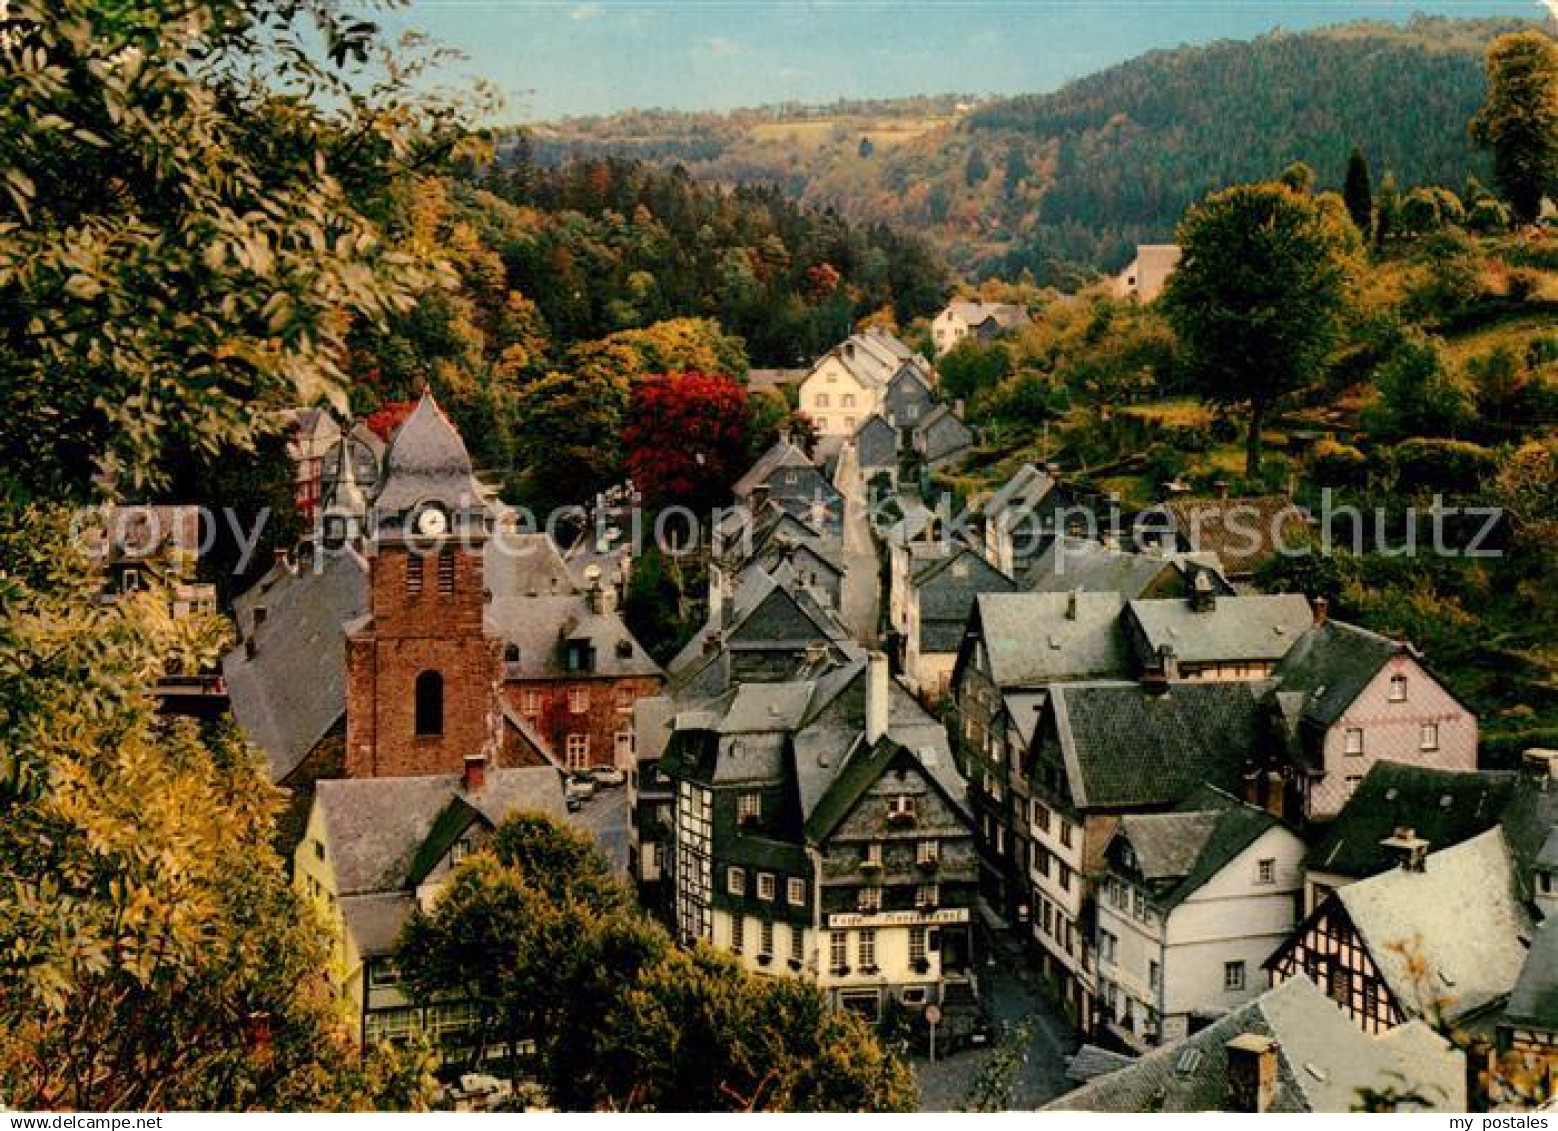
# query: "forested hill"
1081,174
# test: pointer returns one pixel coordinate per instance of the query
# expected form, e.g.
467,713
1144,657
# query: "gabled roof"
1004,314
861,771
375,921
1125,746
1331,664
1242,532
1081,563
1179,852
1259,627
377,828
1324,1061
1033,639
540,626
290,693
947,587
782,454
1443,807
1027,487
1534,1001
1459,920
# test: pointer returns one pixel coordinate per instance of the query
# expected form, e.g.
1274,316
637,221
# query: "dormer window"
901,808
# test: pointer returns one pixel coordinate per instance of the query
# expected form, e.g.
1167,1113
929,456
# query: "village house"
932,597
820,831
1244,533
1093,566
849,382
1288,1051
376,849
785,477
978,320
942,438
908,398
1443,935
1528,1028
1145,276
1205,636
1191,904
1348,698
311,434
1017,523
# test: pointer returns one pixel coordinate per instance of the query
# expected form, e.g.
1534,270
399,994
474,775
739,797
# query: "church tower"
423,675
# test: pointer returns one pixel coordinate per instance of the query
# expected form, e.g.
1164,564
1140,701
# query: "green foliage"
1419,395
1258,300
539,934
1299,177
1519,121
1338,465
156,954
1448,283
971,367
1487,216
655,608
1358,193
1451,466
569,439
179,245
1430,208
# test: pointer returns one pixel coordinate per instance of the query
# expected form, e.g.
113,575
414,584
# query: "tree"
1419,396
569,436
685,438
157,955
1358,193
1387,221
976,168
1519,121
1258,299
180,246
547,943
1299,177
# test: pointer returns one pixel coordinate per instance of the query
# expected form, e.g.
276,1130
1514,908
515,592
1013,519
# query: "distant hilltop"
1081,175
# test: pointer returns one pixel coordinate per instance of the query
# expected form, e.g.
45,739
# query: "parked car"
578,791
608,775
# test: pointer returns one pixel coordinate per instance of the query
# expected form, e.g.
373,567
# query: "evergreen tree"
1358,193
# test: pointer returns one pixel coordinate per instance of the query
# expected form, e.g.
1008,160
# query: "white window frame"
735,880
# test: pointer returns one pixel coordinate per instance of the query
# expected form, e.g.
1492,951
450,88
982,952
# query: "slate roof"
292,691
782,454
1031,640
1024,708
1323,1062
1027,487
1331,664
1092,1061
1179,852
1003,314
1081,563
539,627
862,770
377,826
876,441
1125,747
1443,807
1255,628
1534,1001
947,587
374,921
426,460
1460,917
1243,533
942,434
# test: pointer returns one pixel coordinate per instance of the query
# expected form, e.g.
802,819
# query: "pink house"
1349,698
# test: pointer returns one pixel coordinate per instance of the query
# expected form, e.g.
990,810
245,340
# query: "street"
1012,995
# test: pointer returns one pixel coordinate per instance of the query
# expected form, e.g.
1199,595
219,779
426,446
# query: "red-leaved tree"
685,438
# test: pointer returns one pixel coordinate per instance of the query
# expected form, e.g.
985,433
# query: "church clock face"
432,522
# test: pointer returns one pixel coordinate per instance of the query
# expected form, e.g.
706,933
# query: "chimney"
957,408
1168,661
1479,1075
1221,487
876,697
1322,607
1407,849
475,775
1203,598
1252,1073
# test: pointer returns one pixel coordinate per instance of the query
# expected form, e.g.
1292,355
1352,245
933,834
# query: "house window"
749,806
838,951
624,699
736,880
530,702
797,944
1266,872
822,400
873,855
901,808
459,850
1428,736
578,750
927,896
869,900
765,947
430,704
1353,782
795,892
382,972
414,575
1063,875
1154,975
1041,817
446,575
1138,903
624,745
849,423
1398,689
1233,976
1338,985
1106,945
867,950
578,700
927,853
766,887
1354,741
917,949
1065,834
738,931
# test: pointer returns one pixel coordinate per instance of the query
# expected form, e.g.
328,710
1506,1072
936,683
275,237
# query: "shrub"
1338,465
1424,464
1487,216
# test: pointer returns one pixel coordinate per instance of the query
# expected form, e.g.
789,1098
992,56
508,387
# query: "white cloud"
728,48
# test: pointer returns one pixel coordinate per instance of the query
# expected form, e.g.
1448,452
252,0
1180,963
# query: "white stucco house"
848,383
982,320
1147,274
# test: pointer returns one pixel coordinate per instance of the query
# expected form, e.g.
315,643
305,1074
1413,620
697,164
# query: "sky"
553,58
